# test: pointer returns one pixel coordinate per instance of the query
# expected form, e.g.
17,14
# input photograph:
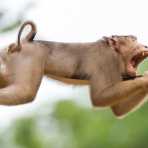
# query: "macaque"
107,65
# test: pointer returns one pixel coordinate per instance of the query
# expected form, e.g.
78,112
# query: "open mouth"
133,63
138,58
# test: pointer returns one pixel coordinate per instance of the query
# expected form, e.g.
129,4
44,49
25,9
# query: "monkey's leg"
133,102
28,74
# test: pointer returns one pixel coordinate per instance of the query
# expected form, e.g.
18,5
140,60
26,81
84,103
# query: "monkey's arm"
131,103
128,105
119,92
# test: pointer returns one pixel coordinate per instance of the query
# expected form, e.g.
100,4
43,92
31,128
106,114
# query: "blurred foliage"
91,128
1,14
28,129
11,26
74,126
143,66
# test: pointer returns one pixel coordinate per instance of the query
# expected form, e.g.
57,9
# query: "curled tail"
30,36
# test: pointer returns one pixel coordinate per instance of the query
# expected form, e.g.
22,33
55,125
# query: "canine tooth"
143,53
7,49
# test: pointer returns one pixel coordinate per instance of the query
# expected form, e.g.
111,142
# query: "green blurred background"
71,125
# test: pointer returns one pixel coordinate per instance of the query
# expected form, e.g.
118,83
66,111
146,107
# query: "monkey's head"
132,52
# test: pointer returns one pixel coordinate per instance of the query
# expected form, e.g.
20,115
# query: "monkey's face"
133,53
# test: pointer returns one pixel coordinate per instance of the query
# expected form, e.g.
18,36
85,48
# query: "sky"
72,21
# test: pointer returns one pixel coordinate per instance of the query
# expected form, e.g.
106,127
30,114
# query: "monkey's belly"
68,80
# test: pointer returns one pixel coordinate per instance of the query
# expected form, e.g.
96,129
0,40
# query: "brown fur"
102,64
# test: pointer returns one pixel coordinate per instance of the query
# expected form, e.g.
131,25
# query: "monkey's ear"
112,42
13,48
